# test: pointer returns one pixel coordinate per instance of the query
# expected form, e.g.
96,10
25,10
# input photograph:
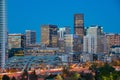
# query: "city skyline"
24,15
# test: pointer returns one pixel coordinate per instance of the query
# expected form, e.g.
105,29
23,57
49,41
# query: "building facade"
61,36
3,34
69,43
16,41
49,35
79,28
62,32
112,40
30,37
94,41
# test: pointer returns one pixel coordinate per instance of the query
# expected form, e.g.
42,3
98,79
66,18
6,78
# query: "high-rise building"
94,41
30,37
16,41
62,32
112,40
69,43
3,34
49,35
79,24
79,29
61,35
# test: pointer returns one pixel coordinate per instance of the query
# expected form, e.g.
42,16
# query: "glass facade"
3,34
49,35
30,37
79,31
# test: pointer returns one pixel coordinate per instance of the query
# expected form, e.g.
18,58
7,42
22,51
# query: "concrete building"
3,34
30,37
115,49
49,35
77,46
41,51
94,41
62,32
69,43
112,40
79,29
16,41
61,37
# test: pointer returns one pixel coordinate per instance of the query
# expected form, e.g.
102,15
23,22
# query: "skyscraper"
69,43
79,30
79,24
61,35
49,35
62,32
94,40
30,37
3,34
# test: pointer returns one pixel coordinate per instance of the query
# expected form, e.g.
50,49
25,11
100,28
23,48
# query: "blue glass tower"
3,34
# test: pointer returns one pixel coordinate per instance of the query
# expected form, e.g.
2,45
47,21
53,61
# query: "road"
47,72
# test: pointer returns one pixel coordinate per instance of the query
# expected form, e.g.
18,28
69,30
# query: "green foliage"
93,67
65,70
5,77
107,72
75,76
58,77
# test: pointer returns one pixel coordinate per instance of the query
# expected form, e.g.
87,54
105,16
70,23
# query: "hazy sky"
30,14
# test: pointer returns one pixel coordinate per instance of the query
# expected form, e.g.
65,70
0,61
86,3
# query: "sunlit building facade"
112,40
16,41
49,35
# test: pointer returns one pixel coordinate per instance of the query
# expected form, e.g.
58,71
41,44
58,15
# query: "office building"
69,43
3,34
62,32
77,47
30,37
79,24
79,29
94,41
16,41
61,35
112,40
49,35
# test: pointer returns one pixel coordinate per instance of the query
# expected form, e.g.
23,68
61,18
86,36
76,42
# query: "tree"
65,71
13,78
33,76
75,76
87,64
5,77
24,75
106,72
58,77
118,78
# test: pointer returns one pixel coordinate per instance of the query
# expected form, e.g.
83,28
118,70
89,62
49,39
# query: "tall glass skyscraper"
3,34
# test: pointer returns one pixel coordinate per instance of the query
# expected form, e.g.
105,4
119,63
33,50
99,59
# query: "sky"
31,14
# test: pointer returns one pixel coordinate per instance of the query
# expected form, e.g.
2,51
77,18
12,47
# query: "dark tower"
79,31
